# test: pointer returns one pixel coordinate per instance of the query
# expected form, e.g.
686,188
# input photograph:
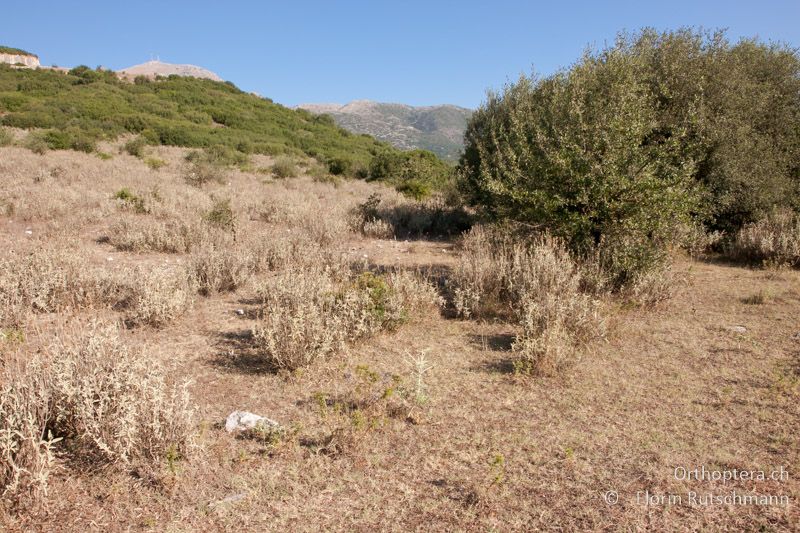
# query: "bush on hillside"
6,138
416,173
135,146
284,167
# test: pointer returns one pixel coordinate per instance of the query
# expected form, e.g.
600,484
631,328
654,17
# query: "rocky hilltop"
439,129
15,56
151,69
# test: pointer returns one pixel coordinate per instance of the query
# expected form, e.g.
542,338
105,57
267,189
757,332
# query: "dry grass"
774,240
451,441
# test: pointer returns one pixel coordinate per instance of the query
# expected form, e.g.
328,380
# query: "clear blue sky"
413,52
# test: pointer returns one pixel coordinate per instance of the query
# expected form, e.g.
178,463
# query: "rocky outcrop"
151,69
30,61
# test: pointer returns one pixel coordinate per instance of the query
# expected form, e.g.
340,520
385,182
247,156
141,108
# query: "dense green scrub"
85,105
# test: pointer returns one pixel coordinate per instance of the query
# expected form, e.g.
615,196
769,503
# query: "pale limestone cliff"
20,59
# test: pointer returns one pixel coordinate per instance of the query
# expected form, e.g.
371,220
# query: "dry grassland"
438,385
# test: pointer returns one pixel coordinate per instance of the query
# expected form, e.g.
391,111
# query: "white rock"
241,420
28,232
240,312
233,498
738,329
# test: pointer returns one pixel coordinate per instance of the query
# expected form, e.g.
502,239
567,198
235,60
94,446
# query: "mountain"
439,129
151,69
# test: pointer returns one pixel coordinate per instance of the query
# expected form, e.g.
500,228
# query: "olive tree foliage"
657,132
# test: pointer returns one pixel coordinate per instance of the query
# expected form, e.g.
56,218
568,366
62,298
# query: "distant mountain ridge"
438,128
152,69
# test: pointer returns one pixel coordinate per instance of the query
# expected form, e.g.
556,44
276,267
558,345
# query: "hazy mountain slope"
439,129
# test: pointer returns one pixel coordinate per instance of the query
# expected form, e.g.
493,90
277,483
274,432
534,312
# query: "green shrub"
172,111
225,156
131,200
221,215
416,173
69,139
6,139
637,140
135,146
284,167
154,163
36,143
340,166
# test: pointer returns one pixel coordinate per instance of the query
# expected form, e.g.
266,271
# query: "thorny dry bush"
312,313
534,282
94,400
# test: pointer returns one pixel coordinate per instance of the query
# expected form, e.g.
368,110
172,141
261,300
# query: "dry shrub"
412,293
97,401
158,296
50,280
534,282
200,172
221,269
323,230
26,448
309,315
486,276
284,167
556,316
389,215
377,229
773,240
651,288
145,234
299,323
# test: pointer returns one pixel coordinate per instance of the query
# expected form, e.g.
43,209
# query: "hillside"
85,105
439,129
151,69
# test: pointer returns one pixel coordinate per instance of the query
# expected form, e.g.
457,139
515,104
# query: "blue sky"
413,52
